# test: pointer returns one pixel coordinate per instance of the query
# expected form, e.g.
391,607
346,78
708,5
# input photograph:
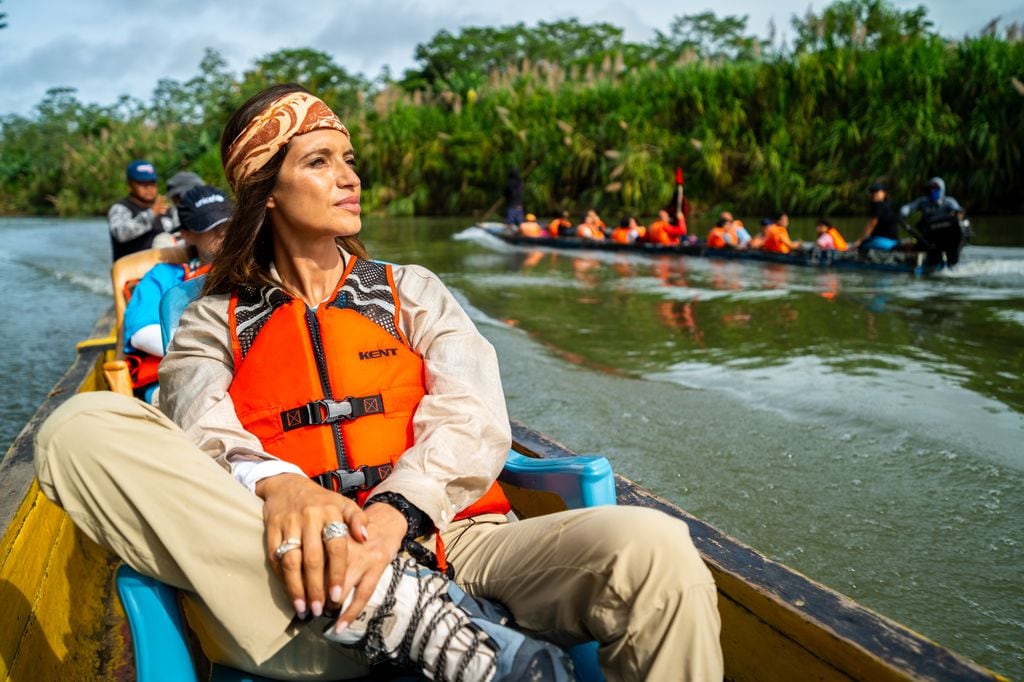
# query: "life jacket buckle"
347,480
328,411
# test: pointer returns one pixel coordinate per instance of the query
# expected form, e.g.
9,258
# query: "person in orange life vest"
626,232
676,229
829,238
531,228
299,356
736,234
657,232
641,230
561,226
203,211
719,237
592,227
776,236
294,313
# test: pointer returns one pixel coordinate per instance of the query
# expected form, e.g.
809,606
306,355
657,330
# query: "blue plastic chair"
158,630
173,304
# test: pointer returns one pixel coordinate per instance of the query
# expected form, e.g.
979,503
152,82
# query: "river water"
866,429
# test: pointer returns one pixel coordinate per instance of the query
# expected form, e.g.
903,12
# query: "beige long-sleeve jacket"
461,430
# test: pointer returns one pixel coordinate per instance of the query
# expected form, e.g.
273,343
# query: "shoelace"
434,587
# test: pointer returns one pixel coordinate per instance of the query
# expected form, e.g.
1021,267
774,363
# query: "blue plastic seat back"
173,304
584,481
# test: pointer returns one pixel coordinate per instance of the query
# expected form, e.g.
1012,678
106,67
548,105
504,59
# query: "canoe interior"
62,619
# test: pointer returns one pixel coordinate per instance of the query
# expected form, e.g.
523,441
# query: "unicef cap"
203,208
140,171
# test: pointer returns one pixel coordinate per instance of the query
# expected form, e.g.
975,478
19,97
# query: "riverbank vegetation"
861,91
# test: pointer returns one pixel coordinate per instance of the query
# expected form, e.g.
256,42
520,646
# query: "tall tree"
710,36
866,24
310,68
458,61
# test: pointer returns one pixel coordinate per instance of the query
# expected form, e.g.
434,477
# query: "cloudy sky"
106,48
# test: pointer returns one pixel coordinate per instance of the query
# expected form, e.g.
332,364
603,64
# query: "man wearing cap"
141,217
883,229
204,211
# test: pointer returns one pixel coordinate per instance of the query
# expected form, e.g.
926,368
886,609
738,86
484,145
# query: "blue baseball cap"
140,171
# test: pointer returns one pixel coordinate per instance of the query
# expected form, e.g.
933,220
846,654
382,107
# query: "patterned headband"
290,115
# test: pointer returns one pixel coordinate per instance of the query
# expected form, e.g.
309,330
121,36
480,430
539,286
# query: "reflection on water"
862,427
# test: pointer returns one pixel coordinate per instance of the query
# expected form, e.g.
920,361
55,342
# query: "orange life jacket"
142,366
840,243
661,232
624,235
716,238
557,224
530,229
776,239
297,372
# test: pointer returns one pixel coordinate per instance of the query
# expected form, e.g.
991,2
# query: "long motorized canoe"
61,619
910,262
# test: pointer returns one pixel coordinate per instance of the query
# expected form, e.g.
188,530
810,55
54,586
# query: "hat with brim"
876,187
140,171
204,208
181,182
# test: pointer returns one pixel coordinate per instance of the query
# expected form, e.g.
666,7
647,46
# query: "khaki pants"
133,482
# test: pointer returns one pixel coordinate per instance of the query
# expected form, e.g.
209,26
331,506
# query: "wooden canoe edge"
17,470
856,641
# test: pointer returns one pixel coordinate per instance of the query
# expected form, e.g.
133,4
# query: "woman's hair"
248,248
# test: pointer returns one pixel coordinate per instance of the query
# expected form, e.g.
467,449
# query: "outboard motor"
945,234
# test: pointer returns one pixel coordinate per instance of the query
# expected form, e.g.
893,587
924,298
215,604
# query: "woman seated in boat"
719,237
203,212
829,238
531,228
592,227
628,231
776,236
561,226
330,417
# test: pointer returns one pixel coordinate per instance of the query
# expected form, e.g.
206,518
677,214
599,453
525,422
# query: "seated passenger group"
939,227
664,230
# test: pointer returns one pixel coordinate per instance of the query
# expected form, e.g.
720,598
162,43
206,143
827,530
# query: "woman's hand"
296,507
367,562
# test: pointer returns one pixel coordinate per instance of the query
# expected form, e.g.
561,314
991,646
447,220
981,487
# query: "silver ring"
288,545
334,529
